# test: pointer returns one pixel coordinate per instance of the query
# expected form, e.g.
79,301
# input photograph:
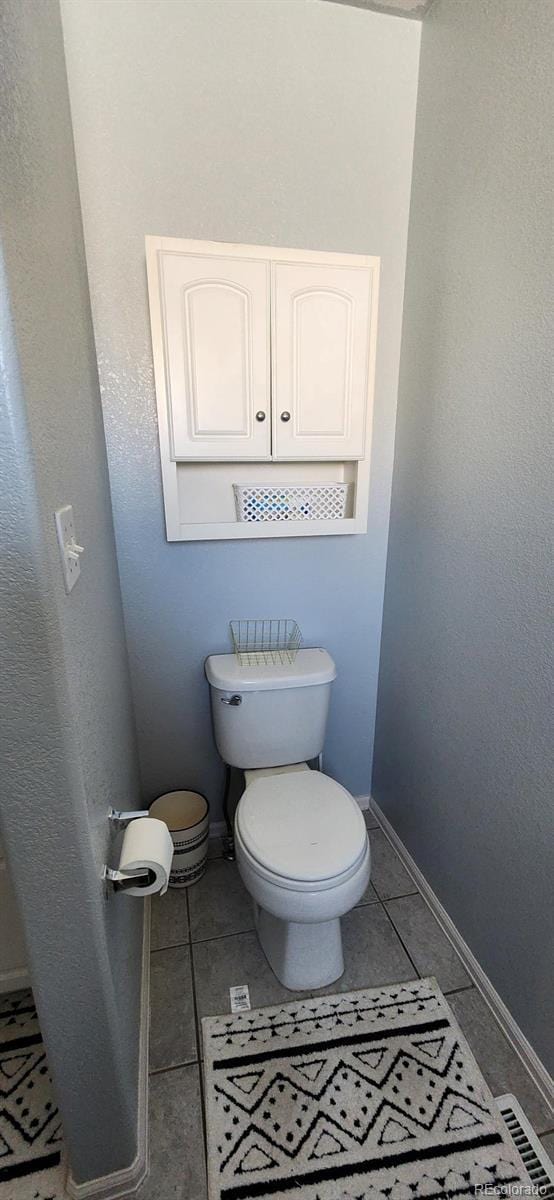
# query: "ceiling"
415,9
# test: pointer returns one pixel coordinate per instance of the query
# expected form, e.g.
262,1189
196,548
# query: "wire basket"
265,642
290,501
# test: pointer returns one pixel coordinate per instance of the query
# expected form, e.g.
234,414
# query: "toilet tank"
270,715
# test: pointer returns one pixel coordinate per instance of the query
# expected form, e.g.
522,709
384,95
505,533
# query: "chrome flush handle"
234,701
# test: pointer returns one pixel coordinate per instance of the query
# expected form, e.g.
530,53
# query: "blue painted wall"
463,753
247,121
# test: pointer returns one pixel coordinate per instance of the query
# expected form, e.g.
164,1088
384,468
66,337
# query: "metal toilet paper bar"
121,880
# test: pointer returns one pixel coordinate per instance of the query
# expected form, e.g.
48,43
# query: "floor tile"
501,1066
172,1030
369,897
427,945
370,820
388,876
215,847
177,1168
170,923
219,903
373,953
226,962
547,1142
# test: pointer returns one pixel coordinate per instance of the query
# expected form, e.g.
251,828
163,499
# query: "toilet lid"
301,825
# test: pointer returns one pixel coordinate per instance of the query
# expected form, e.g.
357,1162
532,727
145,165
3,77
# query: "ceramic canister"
187,816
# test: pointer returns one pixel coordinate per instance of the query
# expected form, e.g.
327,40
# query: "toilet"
301,842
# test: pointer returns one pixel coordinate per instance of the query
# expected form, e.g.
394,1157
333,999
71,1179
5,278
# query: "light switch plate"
69,552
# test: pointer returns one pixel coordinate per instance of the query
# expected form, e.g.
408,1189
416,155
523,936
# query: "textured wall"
243,120
463,759
68,737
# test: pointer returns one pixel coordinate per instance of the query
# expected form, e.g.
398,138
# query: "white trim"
127,1181
362,802
221,531
288,254
511,1030
511,1108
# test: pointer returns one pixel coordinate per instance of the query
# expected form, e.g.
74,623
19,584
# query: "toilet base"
303,956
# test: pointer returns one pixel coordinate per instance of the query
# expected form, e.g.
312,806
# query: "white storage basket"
290,501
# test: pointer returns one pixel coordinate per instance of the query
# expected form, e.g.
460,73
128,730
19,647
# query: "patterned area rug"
371,1095
30,1130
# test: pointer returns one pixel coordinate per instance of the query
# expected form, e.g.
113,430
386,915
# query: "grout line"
220,937
189,1062
452,991
401,940
173,946
404,895
467,987
401,895
197,1031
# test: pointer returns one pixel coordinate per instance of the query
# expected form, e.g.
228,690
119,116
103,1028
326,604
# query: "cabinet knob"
285,416
260,416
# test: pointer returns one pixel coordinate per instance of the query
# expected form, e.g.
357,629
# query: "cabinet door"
216,330
320,359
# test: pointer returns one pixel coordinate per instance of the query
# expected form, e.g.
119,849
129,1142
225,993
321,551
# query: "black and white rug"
30,1129
370,1095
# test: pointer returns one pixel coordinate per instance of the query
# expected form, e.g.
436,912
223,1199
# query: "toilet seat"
298,886
301,830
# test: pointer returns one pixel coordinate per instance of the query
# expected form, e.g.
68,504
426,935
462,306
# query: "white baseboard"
511,1030
362,802
127,1181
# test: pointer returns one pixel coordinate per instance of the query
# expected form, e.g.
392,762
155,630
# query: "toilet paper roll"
147,845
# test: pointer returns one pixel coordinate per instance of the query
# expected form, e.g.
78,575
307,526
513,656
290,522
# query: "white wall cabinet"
261,355
216,333
320,360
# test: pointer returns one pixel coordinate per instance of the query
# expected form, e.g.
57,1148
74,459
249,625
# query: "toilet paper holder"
120,819
121,880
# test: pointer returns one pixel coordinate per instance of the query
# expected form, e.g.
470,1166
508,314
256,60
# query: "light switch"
70,551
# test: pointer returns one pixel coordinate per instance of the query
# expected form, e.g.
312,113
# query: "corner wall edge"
126,1182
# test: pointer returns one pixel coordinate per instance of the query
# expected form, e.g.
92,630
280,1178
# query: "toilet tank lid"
310,667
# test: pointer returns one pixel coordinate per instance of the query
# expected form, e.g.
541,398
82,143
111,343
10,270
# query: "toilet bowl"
303,855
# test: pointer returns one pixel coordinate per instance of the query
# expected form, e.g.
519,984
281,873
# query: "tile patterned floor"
203,943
